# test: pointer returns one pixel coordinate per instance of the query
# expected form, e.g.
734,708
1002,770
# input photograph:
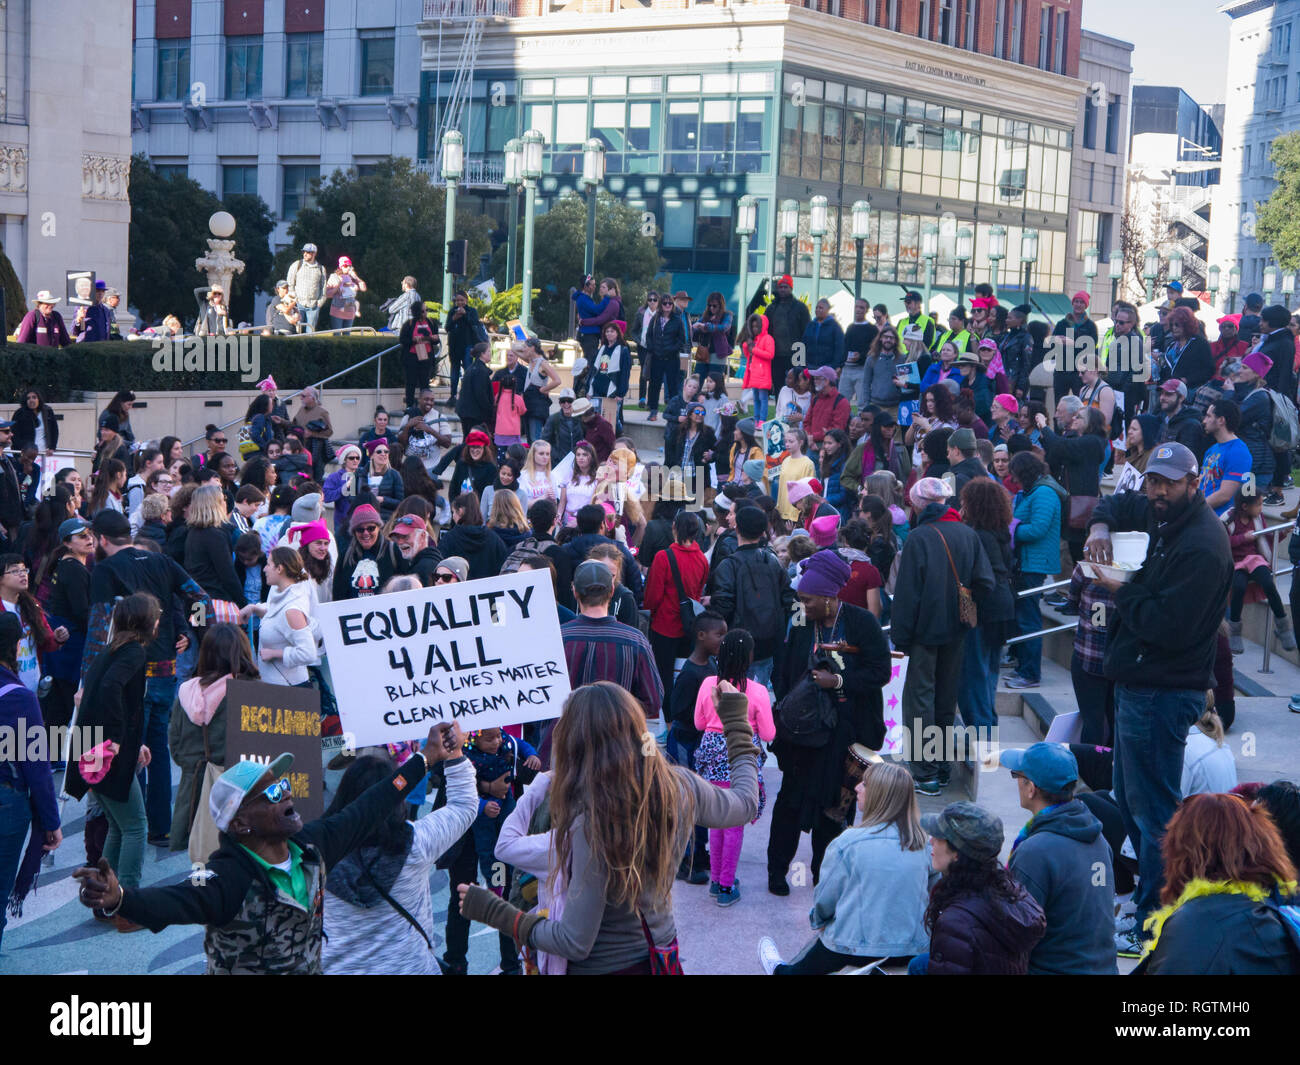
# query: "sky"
1184,45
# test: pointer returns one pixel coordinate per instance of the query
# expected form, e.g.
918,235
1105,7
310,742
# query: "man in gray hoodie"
1061,859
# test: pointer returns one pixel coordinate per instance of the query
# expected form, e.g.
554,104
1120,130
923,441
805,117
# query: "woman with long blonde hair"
870,900
507,518
621,817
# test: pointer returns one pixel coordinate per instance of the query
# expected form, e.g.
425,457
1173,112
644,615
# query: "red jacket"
828,410
759,353
661,591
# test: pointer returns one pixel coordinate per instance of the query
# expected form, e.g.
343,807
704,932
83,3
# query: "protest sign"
265,720
49,466
483,653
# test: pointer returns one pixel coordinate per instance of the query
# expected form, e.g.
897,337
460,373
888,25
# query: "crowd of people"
844,502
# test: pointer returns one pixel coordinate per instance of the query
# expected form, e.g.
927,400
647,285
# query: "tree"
169,230
15,301
253,225
623,251
390,222
1277,221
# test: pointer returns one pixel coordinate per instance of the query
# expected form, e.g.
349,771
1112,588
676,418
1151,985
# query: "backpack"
245,441
763,619
806,716
1285,433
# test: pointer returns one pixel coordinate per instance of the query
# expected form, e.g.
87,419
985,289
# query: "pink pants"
724,850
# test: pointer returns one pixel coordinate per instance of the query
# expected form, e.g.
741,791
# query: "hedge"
114,365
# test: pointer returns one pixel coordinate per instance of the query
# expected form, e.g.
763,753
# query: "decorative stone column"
219,264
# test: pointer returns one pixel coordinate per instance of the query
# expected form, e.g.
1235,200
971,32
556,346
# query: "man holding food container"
1162,642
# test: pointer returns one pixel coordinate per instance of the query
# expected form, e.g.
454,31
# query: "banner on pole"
483,653
265,720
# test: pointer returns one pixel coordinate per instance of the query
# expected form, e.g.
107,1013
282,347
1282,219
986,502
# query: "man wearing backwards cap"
787,319
261,893
1161,643
1061,858
926,624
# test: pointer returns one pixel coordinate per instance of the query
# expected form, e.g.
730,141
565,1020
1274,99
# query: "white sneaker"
768,956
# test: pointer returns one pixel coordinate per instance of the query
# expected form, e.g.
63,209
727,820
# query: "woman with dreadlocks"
735,657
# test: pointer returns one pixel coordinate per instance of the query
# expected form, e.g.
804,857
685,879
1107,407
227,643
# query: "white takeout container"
1114,573
1129,547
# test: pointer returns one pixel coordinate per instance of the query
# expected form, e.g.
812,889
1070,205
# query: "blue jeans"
310,315
156,777
124,847
1151,726
665,374
1029,617
535,427
920,965
761,671
976,698
15,820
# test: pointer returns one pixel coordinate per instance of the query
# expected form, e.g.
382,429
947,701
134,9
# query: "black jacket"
704,441
464,332
480,474
1017,349
562,434
478,545
12,510
666,339
963,473
786,320
209,560
982,935
751,589
424,565
1280,347
580,546
1196,363
474,404
1076,461
1168,615
1187,429
385,557
997,608
114,701
925,609
24,420
1222,935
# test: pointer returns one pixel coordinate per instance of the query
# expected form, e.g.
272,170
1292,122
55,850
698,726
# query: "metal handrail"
1268,614
314,384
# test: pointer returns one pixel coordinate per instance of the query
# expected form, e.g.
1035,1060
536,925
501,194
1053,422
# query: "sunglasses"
278,791
367,528
652,299
218,439
444,578
380,451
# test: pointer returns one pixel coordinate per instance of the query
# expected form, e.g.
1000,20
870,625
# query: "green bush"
109,366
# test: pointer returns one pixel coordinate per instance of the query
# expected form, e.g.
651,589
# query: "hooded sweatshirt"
478,545
758,355
1062,860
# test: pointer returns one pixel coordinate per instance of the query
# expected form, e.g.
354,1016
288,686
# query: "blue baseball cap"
1049,766
72,526
1177,286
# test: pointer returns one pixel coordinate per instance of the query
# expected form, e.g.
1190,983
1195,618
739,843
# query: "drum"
857,761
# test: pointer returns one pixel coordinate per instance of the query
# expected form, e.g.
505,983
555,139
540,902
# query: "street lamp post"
1150,268
817,230
1270,281
789,230
1212,282
532,171
1175,266
514,174
1029,256
593,173
453,166
861,215
929,252
965,251
1288,288
1090,265
1116,274
1234,286
746,222
997,251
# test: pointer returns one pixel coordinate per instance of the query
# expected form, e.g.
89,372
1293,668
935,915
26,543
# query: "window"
1112,125
713,235
1044,37
1087,233
304,65
173,71
298,192
243,68
376,63
923,24
892,6
679,223
1245,159
682,137
238,179
1017,29
972,25
947,22
1000,29
1282,41
1089,123
1062,32
168,171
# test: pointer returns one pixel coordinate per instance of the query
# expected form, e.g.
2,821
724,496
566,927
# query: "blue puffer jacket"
1038,535
824,343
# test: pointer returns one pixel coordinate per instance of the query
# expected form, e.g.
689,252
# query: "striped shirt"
606,649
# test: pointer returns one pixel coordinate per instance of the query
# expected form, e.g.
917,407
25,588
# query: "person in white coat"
286,639
378,906
1208,765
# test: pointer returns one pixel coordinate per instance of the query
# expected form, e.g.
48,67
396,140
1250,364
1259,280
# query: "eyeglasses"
444,578
218,439
277,791
16,571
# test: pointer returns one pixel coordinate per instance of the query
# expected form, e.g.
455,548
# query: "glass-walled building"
781,103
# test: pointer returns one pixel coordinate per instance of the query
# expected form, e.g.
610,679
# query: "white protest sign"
483,653
50,465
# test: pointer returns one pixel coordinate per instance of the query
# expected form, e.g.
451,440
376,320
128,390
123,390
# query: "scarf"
199,703
1023,834
1198,888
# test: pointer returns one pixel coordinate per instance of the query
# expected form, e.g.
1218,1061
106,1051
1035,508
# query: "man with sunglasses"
639,331
261,893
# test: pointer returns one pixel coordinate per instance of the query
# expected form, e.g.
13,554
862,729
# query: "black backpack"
764,620
806,716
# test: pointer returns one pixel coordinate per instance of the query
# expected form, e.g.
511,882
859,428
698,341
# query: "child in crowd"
683,736
497,758
1252,564
249,560
249,500
735,656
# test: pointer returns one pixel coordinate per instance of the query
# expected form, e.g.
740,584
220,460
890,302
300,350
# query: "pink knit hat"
799,490
926,491
1259,362
363,515
1007,402
824,530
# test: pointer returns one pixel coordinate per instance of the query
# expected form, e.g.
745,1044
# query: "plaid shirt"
1093,600
606,649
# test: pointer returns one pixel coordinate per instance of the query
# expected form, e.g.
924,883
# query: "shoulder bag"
204,837
365,869
965,601
690,608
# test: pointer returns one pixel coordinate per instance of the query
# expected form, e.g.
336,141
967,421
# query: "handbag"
204,835
690,608
664,961
96,762
1081,508
966,610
